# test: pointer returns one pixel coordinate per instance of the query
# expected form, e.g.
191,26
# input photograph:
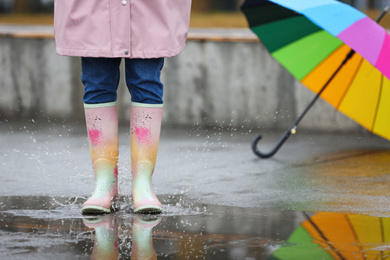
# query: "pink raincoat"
121,28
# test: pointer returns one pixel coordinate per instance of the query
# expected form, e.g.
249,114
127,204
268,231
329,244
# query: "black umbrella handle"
255,149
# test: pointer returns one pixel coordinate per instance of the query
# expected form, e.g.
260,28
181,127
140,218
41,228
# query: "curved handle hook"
283,139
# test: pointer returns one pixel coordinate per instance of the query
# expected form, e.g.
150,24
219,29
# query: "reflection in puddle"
142,246
106,244
53,228
106,237
338,236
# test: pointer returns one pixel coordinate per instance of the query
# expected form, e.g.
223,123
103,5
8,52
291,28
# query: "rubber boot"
102,126
145,126
142,244
105,238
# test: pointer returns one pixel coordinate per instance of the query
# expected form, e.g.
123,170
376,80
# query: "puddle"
54,228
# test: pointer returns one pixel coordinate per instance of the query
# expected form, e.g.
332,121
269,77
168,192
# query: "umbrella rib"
347,89
354,234
323,236
378,103
383,235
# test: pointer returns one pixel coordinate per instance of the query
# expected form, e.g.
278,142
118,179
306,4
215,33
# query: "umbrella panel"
384,59
300,246
361,101
277,34
369,234
334,16
382,123
335,235
369,43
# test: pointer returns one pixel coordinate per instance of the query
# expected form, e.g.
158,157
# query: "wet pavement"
323,196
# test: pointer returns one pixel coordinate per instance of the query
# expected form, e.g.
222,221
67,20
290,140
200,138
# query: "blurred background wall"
34,82
23,6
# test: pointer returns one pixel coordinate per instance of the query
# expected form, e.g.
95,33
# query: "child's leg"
100,77
143,80
146,89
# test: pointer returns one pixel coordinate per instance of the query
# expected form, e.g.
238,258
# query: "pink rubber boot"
145,125
102,126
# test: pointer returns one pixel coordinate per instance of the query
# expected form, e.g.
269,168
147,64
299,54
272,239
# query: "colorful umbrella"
334,50
338,236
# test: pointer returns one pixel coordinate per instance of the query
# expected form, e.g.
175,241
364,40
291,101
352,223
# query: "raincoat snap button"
124,3
126,52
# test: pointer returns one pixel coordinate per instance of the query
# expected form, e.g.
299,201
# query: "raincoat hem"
110,54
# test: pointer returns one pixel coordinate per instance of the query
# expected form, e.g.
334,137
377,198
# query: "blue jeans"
100,77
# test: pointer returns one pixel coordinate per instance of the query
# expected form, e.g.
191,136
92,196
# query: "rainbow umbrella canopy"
334,50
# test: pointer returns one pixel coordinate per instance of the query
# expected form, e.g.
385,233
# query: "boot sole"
95,210
148,210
